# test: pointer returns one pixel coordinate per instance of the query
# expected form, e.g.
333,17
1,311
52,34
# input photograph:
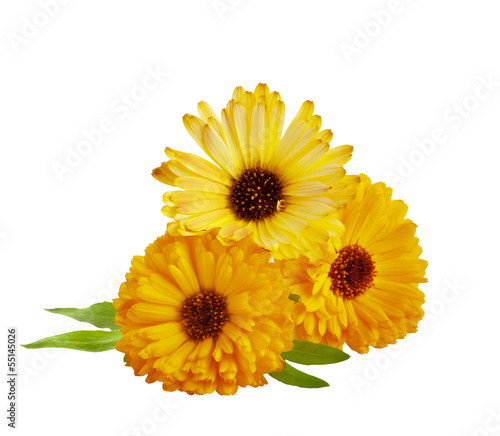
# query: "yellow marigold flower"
265,184
364,289
202,317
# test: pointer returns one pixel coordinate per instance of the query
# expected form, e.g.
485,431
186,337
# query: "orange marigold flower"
363,289
200,317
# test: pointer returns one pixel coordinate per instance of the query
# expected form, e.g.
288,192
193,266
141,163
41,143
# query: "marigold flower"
363,291
265,184
200,317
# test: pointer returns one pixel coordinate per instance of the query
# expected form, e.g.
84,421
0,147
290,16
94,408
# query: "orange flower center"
352,272
204,315
256,193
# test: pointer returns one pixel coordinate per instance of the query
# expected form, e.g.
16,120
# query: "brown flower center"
255,194
353,272
204,315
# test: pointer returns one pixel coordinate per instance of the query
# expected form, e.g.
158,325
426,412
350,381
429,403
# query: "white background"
67,241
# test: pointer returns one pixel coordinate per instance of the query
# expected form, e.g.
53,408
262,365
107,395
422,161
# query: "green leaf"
83,340
294,297
292,376
101,315
309,353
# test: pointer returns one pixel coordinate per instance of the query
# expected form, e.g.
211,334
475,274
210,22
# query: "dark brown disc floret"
352,273
204,315
255,194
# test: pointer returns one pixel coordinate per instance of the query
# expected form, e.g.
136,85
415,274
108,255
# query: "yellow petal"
305,189
199,165
206,111
208,220
152,312
201,184
219,150
305,111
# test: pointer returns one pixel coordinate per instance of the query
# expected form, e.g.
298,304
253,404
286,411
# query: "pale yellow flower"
264,183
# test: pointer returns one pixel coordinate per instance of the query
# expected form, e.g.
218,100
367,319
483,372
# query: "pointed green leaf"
292,376
83,340
294,297
309,353
101,315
